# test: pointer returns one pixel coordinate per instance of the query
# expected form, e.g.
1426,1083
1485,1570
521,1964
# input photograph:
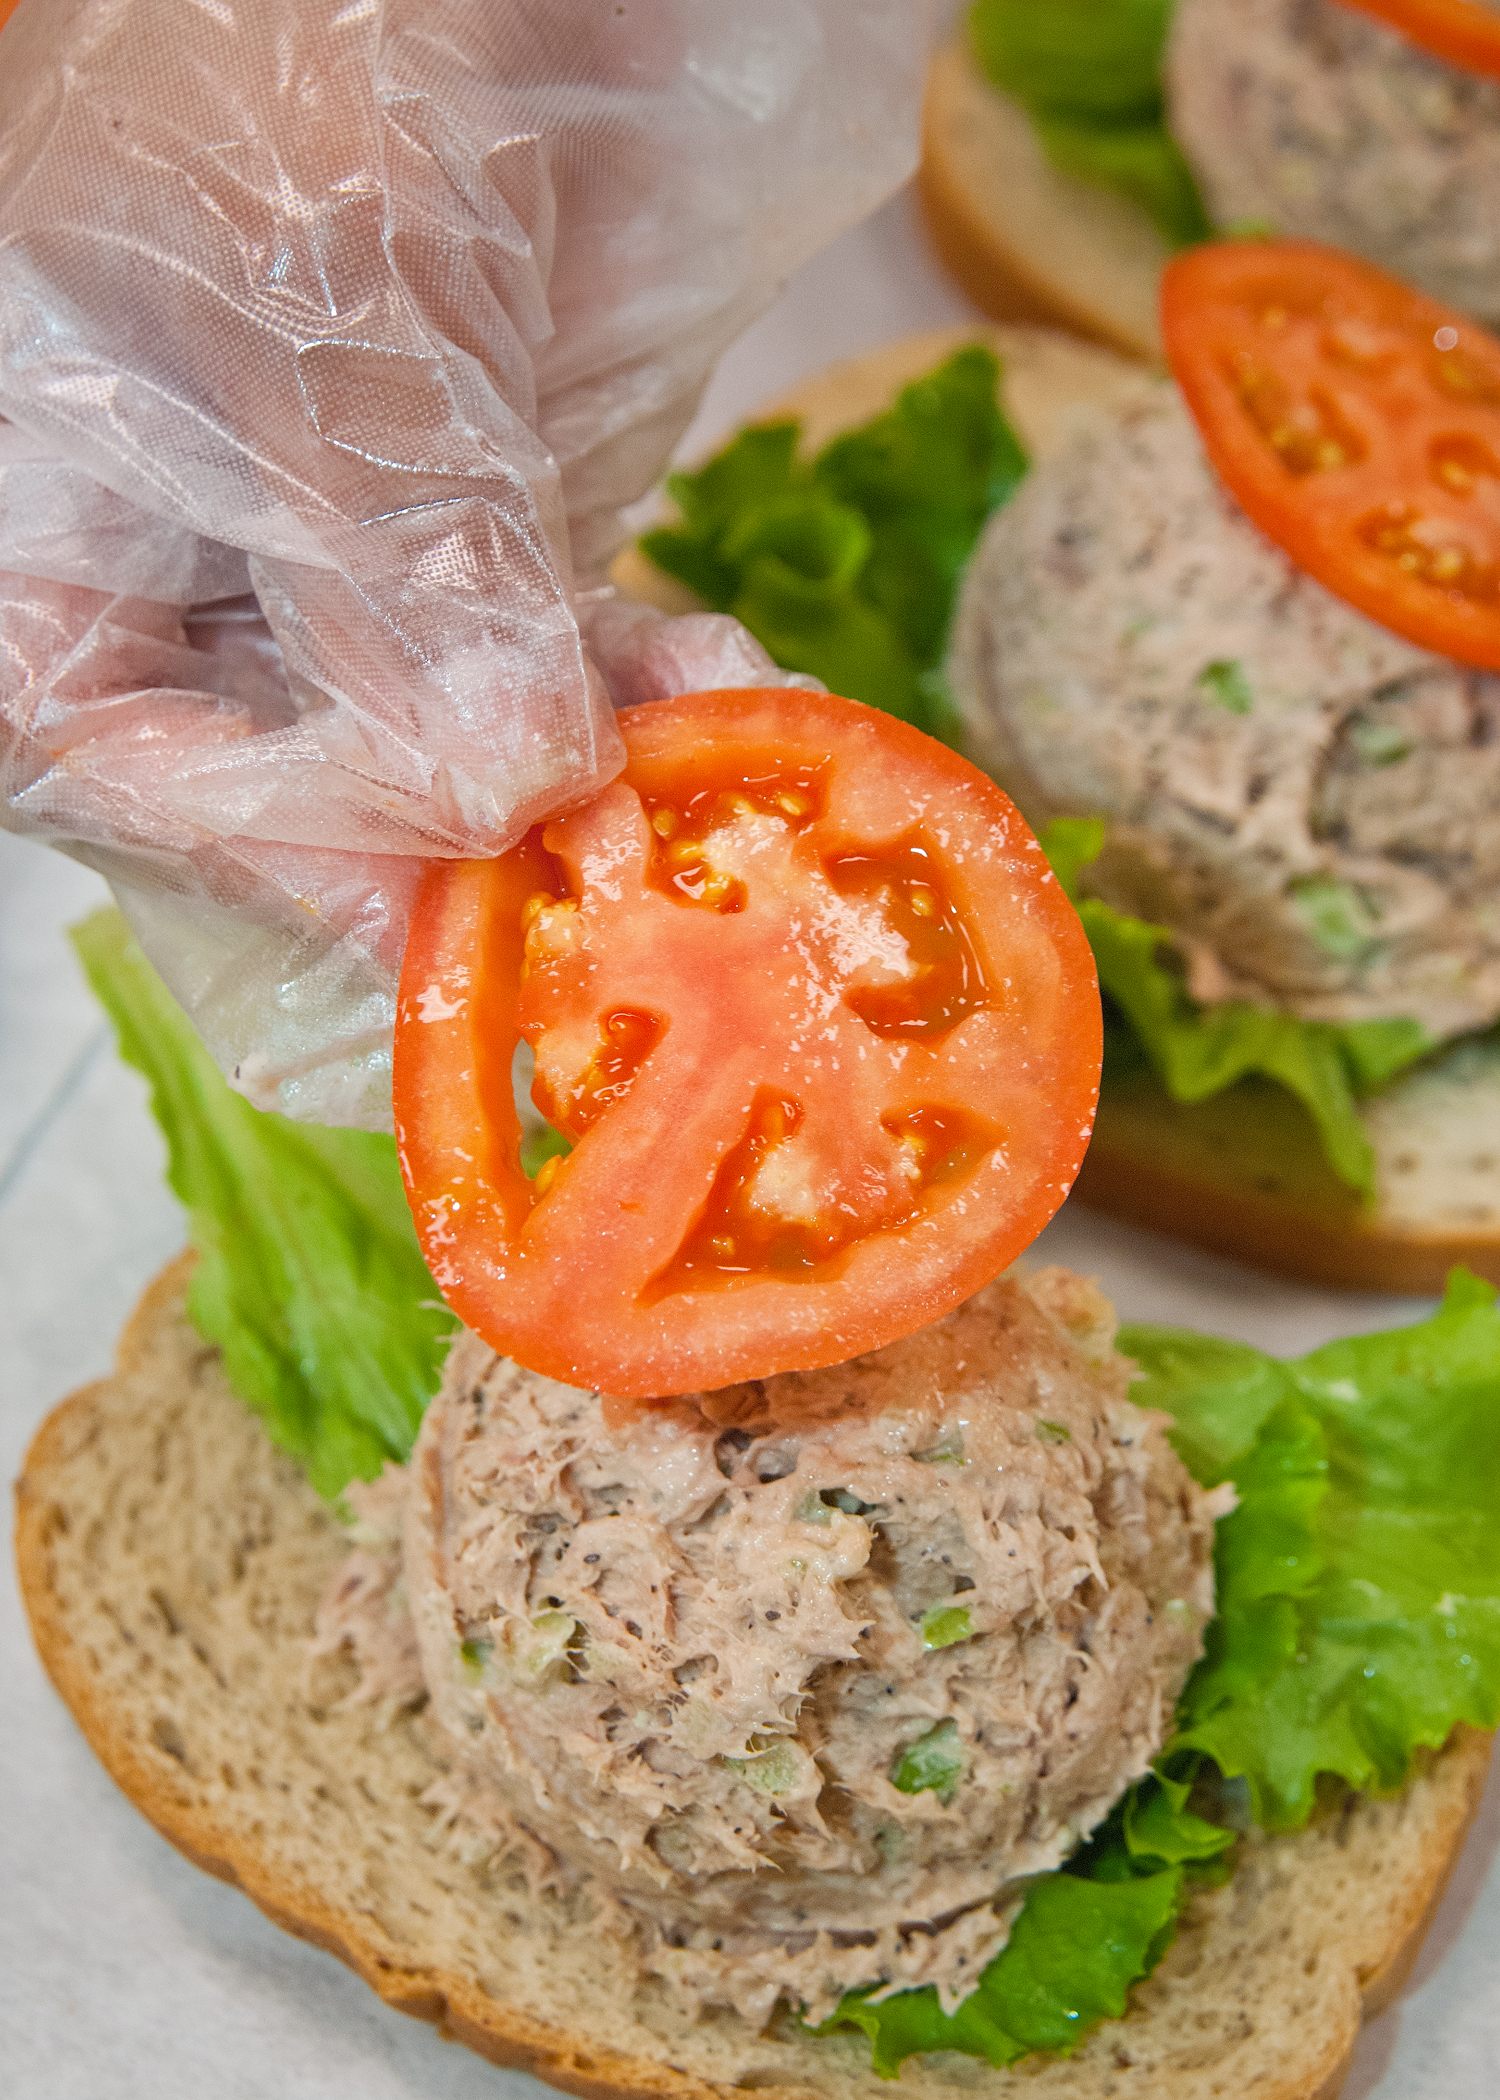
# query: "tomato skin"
1357,422
1462,32
608,1279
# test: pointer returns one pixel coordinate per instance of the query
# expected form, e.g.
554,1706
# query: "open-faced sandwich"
1071,147
774,1644
1229,639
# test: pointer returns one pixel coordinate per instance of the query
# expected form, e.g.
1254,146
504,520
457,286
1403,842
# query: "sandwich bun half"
1026,242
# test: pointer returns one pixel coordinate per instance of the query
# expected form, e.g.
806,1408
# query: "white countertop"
125,1974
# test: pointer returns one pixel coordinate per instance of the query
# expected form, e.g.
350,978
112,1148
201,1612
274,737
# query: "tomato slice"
1357,422
1464,32
821,1025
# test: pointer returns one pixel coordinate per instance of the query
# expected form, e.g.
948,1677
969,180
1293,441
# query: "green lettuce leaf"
309,1278
1198,1051
1088,73
1142,162
1358,1623
1359,1579
1159,1829
1083,58
845,566
1073,1953
1084,1936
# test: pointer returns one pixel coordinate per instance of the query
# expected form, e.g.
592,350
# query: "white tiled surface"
124,1973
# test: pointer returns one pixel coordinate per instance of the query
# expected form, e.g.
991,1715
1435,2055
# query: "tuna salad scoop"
1328,125
1310,803
802,1676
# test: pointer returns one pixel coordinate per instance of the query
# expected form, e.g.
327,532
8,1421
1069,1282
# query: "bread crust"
109,1434
1026,243
1177,1170
503,2035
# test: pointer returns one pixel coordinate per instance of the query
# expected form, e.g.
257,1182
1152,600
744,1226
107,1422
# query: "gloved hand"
333,342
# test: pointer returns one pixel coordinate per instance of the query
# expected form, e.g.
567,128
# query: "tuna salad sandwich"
1072,148
632,1567
1230,639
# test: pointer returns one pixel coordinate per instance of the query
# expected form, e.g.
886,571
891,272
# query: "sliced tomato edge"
1452,627
1463,35
837,1303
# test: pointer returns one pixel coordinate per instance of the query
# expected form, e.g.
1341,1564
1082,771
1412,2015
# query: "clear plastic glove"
334,339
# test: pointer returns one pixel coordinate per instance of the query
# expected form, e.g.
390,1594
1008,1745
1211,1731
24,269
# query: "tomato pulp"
1464,33
819,1024
1357,422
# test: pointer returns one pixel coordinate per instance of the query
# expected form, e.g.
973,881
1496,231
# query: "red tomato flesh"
821,1026
1357,422
1463,32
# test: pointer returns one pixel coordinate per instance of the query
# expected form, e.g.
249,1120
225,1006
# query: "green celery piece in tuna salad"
934,1763
946,1626
308,1278
1225,684
1088,74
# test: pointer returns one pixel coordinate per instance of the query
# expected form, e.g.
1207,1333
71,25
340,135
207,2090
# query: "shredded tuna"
1314,118
799,1680
1307,801
363,1613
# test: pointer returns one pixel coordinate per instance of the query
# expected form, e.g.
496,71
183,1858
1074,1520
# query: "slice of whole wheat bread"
1244,1173
171,1561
